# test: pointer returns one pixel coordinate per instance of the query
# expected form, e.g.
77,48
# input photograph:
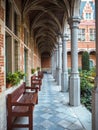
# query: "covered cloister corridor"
33,37
53,111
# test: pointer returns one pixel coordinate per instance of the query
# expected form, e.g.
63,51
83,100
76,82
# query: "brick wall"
1,12
46,62
1,47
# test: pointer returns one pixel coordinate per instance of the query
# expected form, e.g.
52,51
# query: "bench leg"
39,88
37,101
30,122
9,123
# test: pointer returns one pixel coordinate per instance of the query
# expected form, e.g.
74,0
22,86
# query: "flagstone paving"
53,111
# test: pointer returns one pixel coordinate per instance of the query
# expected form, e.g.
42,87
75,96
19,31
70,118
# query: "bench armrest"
22,104
32,88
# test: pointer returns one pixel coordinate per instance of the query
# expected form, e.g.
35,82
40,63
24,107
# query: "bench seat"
21,104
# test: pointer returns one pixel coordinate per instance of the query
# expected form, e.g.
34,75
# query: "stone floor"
54,113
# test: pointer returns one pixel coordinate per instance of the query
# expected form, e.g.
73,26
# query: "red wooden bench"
36,82
21,104
40,74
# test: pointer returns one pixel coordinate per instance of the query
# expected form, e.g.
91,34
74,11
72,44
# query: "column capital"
74,22
64,37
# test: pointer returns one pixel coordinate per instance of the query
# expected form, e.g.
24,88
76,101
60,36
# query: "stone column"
54,63
74,87
95,90
59,62
64,79
56,77
52,59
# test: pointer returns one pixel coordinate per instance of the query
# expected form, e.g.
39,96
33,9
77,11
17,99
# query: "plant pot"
8,85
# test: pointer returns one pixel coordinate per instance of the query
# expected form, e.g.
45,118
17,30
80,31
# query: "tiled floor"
54,113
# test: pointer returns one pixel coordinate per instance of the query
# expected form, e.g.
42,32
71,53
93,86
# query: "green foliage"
85,61
69,70
21,74
86,88
33,71
38,68
14,78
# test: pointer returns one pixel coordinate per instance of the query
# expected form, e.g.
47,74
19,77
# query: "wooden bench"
40,74
36,82
21,104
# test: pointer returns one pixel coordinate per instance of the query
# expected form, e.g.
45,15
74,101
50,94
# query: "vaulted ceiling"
46,20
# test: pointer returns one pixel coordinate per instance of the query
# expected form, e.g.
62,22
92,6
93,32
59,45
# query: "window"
8,14
12,54
8,52
91,62
88,16
11,42
16,55
26,63
15,23
81,36
92,34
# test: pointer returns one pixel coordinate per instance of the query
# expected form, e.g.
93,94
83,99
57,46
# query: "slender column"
64,82
56,63
59,62
95,90
52,59
74,88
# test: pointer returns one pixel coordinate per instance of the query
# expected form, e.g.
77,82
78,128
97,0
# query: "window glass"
81,36
8,14
92,34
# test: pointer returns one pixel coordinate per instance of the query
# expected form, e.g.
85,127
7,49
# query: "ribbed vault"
46,19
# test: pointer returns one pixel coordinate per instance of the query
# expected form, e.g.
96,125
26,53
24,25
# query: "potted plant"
12,79
38,68
21,74
33,71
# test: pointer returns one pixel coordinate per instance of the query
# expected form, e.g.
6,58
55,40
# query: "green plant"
85,61
86,88
21,74
12,78
33,71
38,68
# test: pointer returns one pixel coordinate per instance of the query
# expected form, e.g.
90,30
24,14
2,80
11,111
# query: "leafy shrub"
85,61
21,74
12,78
86,88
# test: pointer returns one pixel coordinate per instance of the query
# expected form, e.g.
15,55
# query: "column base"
74,90
54,74
59,77
95,109
64,82
56,77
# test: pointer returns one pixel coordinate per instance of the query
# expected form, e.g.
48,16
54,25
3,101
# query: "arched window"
91,63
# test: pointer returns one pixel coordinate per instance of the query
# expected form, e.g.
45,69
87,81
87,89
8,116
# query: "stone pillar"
95,90
59,62
54,63
64,79
74,87
56,77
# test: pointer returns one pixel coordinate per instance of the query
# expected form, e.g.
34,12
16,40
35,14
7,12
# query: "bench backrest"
40,73
17,93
